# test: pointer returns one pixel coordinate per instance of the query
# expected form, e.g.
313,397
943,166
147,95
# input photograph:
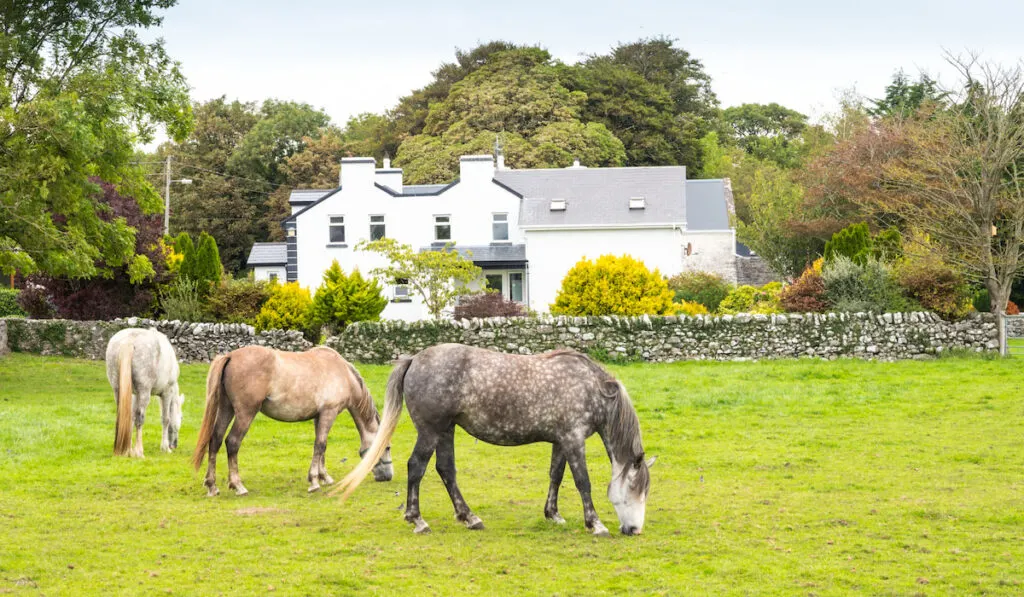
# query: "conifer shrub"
343,298
288,308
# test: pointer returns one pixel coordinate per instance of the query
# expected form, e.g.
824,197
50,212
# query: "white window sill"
337,245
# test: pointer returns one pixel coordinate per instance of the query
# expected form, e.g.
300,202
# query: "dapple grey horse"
141,362
561,397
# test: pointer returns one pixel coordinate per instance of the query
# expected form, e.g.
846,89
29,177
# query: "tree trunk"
998,294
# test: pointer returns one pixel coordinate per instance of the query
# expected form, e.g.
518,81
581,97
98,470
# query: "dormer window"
558,205
637,203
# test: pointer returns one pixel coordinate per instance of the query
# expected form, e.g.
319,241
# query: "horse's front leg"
139,403
556,473
318,467
165,422
577,457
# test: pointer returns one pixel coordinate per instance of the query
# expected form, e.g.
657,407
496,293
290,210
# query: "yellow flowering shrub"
613,286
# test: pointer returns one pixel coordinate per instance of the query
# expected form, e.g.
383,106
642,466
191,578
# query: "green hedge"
9,303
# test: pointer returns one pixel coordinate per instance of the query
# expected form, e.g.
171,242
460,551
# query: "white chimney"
357,172
389,177
576,163
476,168
501,161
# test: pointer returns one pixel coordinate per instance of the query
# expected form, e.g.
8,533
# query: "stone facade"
891,336
193,342
754,271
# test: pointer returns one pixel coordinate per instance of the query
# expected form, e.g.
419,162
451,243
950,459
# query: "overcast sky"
348,57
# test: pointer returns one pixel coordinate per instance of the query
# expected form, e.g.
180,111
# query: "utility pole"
167,196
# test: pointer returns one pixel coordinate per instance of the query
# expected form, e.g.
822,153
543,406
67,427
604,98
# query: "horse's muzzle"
629,531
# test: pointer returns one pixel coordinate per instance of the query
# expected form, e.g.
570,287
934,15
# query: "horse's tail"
389,420
123,426
214,395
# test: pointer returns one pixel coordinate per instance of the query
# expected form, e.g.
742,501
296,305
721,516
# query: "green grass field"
774,478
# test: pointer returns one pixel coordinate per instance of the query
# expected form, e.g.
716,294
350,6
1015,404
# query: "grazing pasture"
773,478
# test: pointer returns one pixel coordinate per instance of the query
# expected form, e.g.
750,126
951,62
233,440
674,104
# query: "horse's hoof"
212,492
474,523
421,527
313,489
327,480
240,490
601,531
557,519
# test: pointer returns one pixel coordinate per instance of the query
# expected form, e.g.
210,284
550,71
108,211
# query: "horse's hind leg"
224,416
232,443
318,467
421,453
557,472
445,465
165,421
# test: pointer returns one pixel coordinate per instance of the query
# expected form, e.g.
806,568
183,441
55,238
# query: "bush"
288,308
182,301
1012,308
936,286
488,304
691,308
852,242
201,262
238,301
806,294
613,286
9,303
749,299
705,288
35,300
870,287
343,299
887,246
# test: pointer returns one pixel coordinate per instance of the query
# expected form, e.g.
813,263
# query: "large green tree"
78,89
516,96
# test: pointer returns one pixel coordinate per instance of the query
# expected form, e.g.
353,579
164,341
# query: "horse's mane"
622,424
367,410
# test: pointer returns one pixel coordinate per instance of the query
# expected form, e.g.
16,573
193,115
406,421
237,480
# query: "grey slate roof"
422,189
307,195
599,196
484,254
708,203
268,254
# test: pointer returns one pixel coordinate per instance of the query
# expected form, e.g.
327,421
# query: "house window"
515,286
499,226
337,229
402,291
376,227
273,276
494,283
442,228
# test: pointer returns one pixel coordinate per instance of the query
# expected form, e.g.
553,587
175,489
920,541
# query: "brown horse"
286,386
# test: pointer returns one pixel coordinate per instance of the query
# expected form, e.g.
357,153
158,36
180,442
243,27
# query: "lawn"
773,478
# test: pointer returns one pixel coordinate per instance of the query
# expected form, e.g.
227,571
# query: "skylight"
558,205
637,203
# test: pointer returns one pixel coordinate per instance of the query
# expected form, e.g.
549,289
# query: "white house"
524,228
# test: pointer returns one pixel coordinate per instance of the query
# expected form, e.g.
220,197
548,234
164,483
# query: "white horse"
141,363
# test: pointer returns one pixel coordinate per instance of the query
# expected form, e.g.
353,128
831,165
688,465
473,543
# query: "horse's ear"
650,461
611,388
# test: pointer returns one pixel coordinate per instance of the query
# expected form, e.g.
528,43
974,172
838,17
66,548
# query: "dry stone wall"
193,342
889,336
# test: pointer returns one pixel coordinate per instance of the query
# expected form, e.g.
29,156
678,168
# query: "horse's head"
383,470
628,493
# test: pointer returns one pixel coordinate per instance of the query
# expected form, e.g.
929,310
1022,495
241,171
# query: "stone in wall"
193,342
889,336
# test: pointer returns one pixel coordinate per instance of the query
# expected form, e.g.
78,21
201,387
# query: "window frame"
495,222
447,223
331,225
383,226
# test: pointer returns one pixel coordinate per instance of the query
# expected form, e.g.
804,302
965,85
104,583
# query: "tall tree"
315,167
903,98
78,89
768,132
961,181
